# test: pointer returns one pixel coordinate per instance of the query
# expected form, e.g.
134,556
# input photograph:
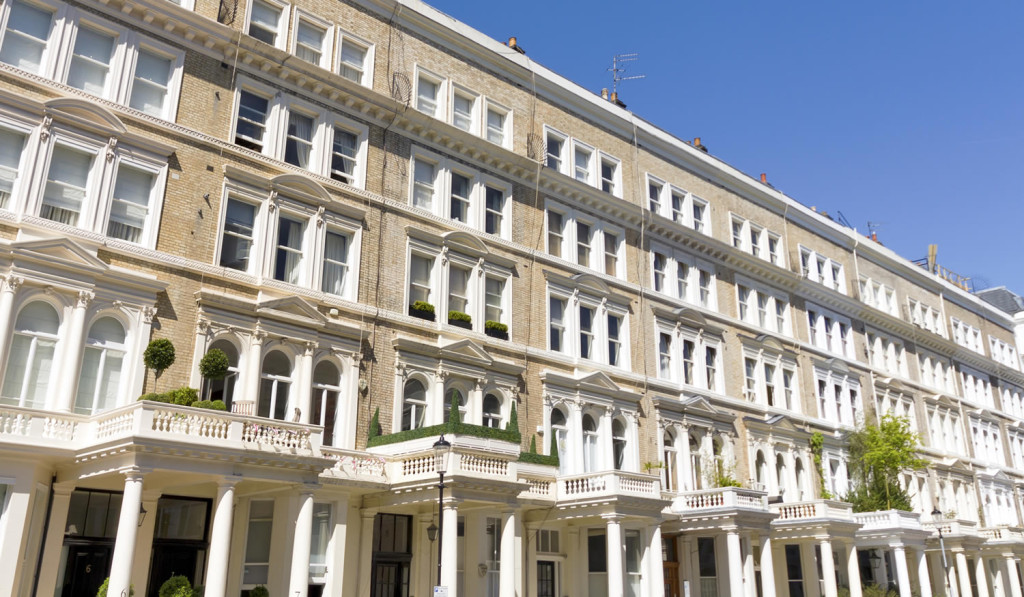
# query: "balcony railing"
813,509
952,527
157,420
896,520
1002,533
608,483
720,498
350,464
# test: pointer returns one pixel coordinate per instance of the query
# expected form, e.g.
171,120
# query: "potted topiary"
259,591
175,586
496,329
460,319
214,364
159,355
422,309
102,592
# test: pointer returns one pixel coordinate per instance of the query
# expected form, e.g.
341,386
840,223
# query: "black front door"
390,579
87,567
172,560
545,579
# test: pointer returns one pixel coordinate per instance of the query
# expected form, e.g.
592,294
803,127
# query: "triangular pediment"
700,406
958,465
61,250
302,185
87,111
600,380
467,350
291,307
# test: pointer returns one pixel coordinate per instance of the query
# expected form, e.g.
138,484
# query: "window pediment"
290,308
84,112
301,187
591,387
467,351
60,250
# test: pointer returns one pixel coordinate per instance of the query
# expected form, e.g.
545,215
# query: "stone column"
507,573
1011,575
575,438
127,529
853,570
924,578
964,572
449,549
655,571
220,540
616,578
298,584
749,584
55,537
605,453
366,551
767,567
902,572
67,378
982,576
735,559
10,284
249,377
301,397
686,461
828,568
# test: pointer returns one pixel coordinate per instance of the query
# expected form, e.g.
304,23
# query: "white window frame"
362,133
577,298
366,80
579,146
839,410
281,41
568,249
441,107
301,16
506,127
878,295
772,299
615,183
474,111
701,341
830,340
48,59
563,154
821,269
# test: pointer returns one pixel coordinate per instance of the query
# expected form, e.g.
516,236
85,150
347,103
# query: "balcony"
813,510
728,498
543,485
888,520
952,527
157,421
1002,534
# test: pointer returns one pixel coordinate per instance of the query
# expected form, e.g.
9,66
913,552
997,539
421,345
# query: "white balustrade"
815,509
721,497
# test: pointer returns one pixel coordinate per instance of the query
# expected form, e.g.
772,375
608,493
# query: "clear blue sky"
905,113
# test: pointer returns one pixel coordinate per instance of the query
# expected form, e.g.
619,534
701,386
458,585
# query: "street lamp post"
442,448
937,517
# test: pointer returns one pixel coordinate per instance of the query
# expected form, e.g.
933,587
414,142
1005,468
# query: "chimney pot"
764,178
874,236
512,42
604,93
696,141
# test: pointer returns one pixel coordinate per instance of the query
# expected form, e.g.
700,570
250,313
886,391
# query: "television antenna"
618,69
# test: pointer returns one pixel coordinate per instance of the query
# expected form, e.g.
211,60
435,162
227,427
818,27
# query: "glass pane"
149,89
181,519
90,62
28,29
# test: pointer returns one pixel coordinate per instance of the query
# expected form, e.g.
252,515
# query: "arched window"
696,466
492,411
670,474
456,394
102,358
618,444
560,431
275,383
589,444
780,473
414,404
30,360
761,470
801,481
326,380
223,389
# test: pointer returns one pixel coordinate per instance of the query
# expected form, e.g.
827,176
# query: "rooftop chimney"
515,46
615,100
699,145
604,93
764,178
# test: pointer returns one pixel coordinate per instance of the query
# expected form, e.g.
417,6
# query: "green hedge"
452,428
544,459
185,397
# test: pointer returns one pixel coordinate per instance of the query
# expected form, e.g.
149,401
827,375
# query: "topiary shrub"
459,316
374,424
259,591
214,364
103,589
513,420
533,444
176,586
210,404
152,396
184,396
159,355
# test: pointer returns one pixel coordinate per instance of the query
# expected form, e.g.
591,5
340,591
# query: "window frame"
366,80
282,33
506,126
326,49
440,107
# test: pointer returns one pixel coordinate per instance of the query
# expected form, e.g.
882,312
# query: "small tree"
513,420
159,355
533,444
214,364
374,424
454,416
878,454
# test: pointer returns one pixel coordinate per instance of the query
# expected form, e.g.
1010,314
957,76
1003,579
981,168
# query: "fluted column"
616,578
449,549
220,540
735,562
828,568
902,571
71,357
127,529
298,584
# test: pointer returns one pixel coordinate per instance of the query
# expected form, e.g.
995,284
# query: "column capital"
132,474
11,283
366,513
614,517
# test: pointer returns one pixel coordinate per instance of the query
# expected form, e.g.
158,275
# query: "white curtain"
28,28
130,204
102,361
90,63
423,192
343,163
352,59
300,140
149,88
309,43
66,185
11,145
289,251
335,263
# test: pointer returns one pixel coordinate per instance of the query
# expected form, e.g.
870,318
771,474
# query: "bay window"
755,303
769,378
838,394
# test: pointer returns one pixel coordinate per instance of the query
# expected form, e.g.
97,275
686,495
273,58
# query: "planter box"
496,334
466,325
428,315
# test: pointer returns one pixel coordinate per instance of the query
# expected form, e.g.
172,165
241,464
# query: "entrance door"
88,566
545,579
390,579
172,560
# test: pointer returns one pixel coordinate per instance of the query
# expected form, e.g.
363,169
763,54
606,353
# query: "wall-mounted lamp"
142,514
